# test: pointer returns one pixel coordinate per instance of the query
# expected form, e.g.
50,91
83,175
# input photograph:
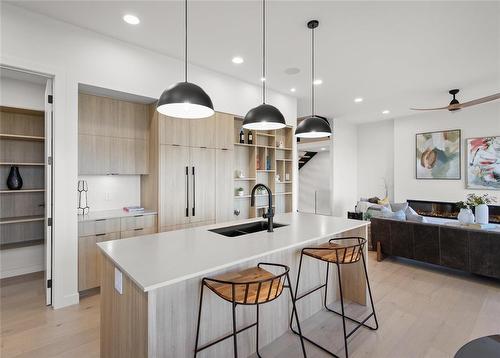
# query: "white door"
48,191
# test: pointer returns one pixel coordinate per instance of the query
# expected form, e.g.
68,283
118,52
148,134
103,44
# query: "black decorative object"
313,126
185,99
264,116
83,207
14,180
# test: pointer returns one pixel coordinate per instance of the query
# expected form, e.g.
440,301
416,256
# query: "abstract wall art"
483,163
438,155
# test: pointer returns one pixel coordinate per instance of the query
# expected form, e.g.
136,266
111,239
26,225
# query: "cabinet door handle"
194,192
100,234
138,229
138,216
101,220
187,191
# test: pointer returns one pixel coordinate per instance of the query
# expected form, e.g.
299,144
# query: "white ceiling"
393,54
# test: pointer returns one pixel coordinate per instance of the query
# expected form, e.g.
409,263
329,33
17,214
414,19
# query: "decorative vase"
465,216
482,214
14,180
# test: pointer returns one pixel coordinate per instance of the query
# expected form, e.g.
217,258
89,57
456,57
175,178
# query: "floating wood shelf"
21,219
31,112
244,145
284,160
8,191
248,196
21,137
265,171
242,179
21,164
284,148
265,134
284,182
284,193
16,245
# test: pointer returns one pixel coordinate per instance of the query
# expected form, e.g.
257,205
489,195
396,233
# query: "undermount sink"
244,229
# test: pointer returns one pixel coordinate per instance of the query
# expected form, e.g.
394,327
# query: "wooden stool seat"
246,289
335,253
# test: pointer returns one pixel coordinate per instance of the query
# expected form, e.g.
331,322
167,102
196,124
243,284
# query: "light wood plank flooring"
423,311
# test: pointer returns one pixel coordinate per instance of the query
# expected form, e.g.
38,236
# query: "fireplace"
442,209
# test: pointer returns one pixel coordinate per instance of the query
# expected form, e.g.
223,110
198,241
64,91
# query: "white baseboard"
21,271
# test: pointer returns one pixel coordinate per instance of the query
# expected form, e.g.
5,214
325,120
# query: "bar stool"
349,251
253,286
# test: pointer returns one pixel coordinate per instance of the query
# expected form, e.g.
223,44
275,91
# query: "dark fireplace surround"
442,209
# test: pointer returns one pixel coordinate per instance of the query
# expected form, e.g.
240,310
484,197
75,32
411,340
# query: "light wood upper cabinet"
113,136
202,184
224,185
174,131
202,132
224,124
97,115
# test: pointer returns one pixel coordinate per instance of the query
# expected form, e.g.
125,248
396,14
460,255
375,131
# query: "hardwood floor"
423,311
31,329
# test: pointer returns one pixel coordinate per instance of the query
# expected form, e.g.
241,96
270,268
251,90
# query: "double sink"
245,229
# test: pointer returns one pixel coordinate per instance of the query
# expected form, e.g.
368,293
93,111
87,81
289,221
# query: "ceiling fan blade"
476,101
429,109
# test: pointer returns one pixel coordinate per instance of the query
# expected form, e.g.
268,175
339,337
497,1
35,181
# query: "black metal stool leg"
235,339
294,309
342,307
257,334
199,320
370,292
326,284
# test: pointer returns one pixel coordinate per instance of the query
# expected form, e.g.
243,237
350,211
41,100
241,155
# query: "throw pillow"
409,211
416,218
398,215
399,206
384,202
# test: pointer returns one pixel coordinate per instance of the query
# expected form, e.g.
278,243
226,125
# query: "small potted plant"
465,216
480,203
240,191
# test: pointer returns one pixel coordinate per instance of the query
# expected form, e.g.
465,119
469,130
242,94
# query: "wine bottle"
250,137
242,136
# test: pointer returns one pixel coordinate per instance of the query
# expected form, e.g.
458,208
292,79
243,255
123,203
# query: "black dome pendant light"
185,99
264,116
313,126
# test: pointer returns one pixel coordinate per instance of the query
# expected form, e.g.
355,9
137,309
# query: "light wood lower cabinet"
89,259
95,231
203,184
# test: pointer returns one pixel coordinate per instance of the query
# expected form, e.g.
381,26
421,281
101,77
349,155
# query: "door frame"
49,126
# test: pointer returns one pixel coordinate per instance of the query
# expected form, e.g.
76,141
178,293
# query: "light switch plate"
118,281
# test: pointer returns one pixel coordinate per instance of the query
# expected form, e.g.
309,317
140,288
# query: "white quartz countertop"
111,214
158,260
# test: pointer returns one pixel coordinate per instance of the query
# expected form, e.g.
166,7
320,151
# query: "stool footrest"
362,323
298,297
229,335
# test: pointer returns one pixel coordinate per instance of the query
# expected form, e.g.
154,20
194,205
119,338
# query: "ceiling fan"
455,105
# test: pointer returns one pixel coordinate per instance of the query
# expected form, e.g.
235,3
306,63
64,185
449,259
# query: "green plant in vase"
480,204
240,191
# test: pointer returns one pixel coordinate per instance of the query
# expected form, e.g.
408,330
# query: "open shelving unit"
22,144
267,160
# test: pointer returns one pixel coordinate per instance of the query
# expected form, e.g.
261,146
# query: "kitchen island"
150,285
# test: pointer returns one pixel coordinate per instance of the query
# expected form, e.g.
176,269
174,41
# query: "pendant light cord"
185,40
264,51
312,74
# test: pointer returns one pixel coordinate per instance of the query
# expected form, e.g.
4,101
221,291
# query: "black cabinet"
454,248
426,243
484,249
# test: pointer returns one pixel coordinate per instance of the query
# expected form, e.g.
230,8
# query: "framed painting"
438,155
483,163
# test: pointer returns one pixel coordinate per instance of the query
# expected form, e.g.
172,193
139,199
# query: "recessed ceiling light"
317,82
237,60
262,79
323,148
358,100
131,19
386,111
292,89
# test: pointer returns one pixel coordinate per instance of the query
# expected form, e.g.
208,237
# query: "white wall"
108,192
482,120
74,55
314,176
345,168
376,159
21,94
